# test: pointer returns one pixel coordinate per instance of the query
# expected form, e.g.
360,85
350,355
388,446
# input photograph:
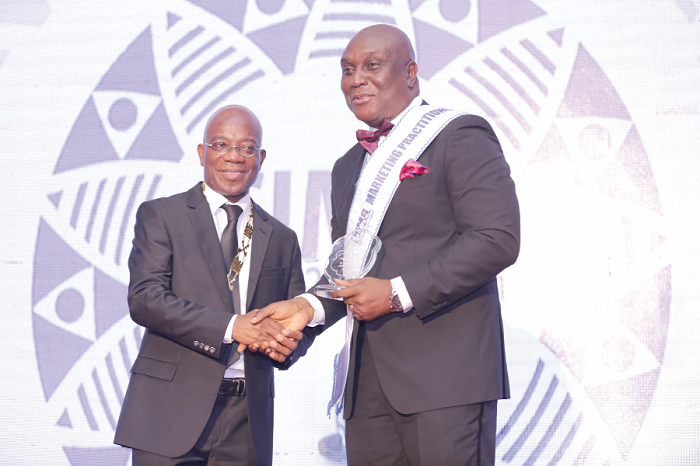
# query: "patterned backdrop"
596,105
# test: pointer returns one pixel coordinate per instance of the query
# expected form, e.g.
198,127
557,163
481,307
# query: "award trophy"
352,256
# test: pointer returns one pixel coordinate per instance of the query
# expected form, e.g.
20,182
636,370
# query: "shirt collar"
216,200
414,103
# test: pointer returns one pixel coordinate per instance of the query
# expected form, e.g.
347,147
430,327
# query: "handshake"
275,329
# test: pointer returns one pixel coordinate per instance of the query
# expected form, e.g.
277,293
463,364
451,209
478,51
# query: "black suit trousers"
376,434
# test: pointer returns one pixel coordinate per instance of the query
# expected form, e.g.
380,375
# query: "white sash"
376,187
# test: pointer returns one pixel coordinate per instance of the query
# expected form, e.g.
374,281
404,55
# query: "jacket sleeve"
486,213
152,302
334,309
296,287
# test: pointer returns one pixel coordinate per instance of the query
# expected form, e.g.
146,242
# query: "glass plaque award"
352,256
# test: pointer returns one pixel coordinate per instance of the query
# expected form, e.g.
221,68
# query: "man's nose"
233,156
358,78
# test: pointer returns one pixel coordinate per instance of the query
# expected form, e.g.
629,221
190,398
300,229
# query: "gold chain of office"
237,263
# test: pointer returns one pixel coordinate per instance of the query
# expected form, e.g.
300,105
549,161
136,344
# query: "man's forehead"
226,114
242,137
246,133
236,117
367,43
245,128
363,54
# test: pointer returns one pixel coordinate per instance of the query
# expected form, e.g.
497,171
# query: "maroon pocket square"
411,169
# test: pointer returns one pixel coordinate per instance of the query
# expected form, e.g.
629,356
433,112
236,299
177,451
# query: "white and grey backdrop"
596,104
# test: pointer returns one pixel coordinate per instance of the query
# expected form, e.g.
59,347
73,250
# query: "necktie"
229,247
370,139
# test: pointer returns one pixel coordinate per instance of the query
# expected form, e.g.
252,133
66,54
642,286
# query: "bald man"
200,259
427,358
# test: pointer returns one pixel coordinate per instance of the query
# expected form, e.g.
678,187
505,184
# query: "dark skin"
380,79
380,76
232,176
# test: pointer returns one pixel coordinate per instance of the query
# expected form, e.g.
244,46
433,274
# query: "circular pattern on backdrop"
70,305
270,7
594,142
455,11
123,114
618,354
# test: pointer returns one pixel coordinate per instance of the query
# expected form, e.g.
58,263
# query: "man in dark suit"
191,398
427,362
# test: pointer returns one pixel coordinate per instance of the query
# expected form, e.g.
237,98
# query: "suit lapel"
262,232
203,225
347,188
347,185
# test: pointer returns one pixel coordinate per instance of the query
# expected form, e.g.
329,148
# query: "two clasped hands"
275,329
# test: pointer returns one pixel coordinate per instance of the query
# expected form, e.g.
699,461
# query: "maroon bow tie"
370,139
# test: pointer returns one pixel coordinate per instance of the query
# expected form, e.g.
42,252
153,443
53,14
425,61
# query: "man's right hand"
265,332
294,315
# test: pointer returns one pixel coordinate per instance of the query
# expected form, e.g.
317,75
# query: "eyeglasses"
221,148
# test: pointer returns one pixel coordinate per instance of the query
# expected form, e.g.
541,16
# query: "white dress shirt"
216,200
397,283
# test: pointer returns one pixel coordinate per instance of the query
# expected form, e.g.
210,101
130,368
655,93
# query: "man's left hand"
367,298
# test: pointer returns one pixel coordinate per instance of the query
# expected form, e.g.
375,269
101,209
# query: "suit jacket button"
206,347
212,349
201,346
196,343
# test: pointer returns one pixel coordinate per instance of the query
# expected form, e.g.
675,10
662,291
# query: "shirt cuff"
229,330
319,312
401,290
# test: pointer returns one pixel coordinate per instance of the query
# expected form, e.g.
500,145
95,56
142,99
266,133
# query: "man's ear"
411,74
200,151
